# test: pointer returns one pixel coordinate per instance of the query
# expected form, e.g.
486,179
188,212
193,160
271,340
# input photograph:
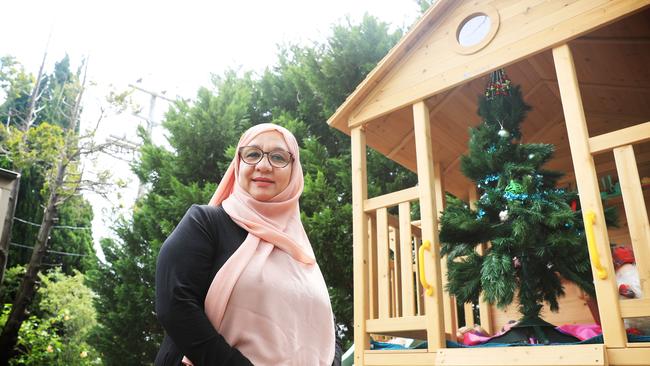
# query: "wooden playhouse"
584,67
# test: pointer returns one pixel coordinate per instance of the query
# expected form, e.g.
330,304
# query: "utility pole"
122,145
152,104
150,120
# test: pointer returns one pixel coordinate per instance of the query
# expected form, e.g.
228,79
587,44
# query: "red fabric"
623,255
626,291
634,331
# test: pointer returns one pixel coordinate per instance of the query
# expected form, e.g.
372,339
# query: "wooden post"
635,211
485,313
429,216
419,291
397,273
406,265
469,314
360,243
373,296
383,265
448,303
587,183
468,307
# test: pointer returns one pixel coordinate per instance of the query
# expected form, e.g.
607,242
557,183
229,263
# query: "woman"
237,282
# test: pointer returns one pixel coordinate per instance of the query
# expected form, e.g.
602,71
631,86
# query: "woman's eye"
253,155
279,158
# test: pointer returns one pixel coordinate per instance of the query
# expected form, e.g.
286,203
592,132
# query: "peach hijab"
269,300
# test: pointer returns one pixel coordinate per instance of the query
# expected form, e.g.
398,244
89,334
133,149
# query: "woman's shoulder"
208,213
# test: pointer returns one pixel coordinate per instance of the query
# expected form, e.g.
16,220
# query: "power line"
50,251
55,226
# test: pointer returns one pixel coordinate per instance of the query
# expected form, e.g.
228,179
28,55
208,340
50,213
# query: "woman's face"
264,181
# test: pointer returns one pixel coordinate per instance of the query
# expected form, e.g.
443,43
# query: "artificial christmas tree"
534,231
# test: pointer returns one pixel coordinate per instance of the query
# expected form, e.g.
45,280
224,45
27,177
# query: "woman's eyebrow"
275,147
279,147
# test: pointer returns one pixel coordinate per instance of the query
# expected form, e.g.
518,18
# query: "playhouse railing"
620,143
583,148
395,292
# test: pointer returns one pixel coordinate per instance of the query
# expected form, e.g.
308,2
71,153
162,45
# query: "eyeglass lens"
253,155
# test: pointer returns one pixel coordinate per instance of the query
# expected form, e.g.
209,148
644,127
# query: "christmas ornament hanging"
499,85
503,215
514,187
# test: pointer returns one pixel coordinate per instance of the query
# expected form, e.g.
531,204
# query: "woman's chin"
262,195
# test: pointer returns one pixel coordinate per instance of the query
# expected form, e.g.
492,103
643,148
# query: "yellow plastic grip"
426,245
591,244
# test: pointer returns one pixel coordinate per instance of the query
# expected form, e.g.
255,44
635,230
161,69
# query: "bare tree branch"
35,95
99,120
39,109
64,178
115,156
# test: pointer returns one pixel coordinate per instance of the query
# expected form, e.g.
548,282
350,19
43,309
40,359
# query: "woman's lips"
262,182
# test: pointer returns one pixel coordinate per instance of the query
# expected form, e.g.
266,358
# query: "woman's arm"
183,275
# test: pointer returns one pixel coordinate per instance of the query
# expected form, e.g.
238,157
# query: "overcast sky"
176,44
171,46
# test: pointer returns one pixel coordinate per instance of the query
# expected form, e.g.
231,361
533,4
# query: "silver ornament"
503,133
531,156
503,215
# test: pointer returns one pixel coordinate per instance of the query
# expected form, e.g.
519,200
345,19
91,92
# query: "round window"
474,30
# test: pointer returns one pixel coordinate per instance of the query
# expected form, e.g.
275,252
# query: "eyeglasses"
252,155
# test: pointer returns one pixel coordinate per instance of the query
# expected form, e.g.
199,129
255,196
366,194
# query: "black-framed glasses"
252,155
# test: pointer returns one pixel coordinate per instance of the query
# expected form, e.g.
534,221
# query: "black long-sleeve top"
188,261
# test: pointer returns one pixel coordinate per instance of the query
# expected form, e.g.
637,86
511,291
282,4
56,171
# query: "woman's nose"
264,164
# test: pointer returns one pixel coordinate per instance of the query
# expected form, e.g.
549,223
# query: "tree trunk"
9,335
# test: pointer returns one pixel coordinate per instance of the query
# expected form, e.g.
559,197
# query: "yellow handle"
591,244
426,245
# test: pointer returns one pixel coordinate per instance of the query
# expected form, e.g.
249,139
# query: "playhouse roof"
610,41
